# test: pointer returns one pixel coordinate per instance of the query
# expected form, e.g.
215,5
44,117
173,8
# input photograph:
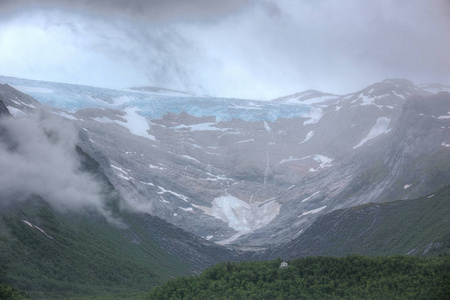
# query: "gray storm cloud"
249,49
148,10
38,157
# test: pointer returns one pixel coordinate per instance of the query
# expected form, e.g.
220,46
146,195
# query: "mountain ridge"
237,180
180,192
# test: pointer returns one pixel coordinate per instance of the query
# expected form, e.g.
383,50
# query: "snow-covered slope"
241,172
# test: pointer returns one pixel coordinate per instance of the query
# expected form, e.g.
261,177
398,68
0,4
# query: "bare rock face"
4,110
253,174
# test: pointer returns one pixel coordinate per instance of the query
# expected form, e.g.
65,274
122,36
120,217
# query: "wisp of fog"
38,157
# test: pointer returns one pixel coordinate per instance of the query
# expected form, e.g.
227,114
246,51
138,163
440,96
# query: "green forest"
350,277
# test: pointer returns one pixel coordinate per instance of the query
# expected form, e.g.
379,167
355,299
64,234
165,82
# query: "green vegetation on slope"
56,255
351,277
8,292
78,256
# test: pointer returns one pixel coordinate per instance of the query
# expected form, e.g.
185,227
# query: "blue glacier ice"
71,98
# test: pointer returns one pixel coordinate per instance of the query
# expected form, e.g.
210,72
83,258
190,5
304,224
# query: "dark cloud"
253,49
148,10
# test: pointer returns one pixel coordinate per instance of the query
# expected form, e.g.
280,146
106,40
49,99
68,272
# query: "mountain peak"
307,97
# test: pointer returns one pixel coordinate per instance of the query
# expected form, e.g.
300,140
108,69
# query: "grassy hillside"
78,256
351,277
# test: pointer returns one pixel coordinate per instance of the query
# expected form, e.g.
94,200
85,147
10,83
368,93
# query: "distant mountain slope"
415,227
117,194
254,174
54,253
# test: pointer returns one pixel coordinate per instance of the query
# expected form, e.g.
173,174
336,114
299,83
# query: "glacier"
154,105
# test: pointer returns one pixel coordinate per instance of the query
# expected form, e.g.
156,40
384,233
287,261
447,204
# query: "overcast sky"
244,49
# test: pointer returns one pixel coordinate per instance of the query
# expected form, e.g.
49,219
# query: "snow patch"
240,215
399,95
64,115
314,211
21,103
187,209
36,227
156,167
308,137
190,158
163,200
314,115
230,132
444,117
15,111
267,127
246,141
445,145
136,123
427,248
217,178
379,128
201,127
366,100
306,199
406,186
196,146
121,173
411,252
323,160
104,120
28,223
163,191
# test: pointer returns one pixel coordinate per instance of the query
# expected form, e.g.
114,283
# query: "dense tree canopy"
351,277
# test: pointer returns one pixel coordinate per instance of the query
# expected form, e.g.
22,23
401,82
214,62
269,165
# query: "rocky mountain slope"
56,249
414,227
253,174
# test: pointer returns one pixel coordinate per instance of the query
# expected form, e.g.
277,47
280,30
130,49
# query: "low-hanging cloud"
38,157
